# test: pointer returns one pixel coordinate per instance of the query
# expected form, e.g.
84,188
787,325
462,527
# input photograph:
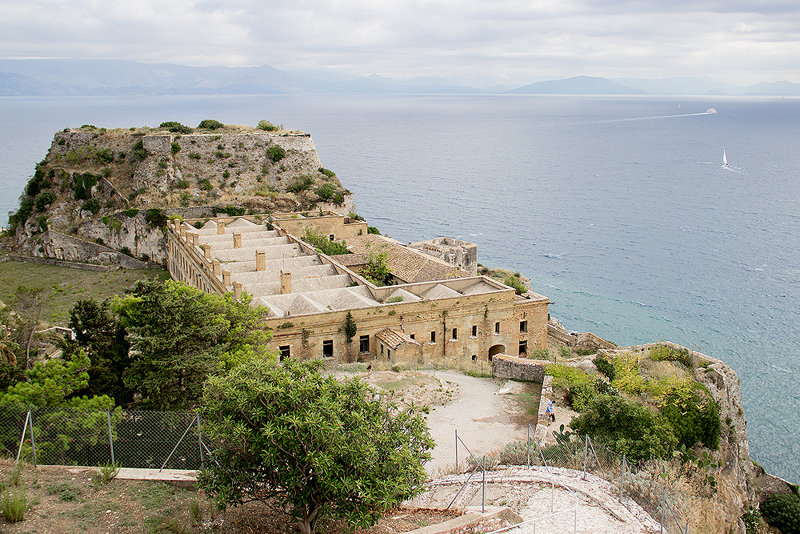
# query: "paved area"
555,500
482,413
129,473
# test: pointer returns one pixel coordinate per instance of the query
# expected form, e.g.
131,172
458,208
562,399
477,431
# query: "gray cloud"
515,40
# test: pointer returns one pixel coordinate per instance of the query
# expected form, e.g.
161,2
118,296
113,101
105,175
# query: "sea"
617,208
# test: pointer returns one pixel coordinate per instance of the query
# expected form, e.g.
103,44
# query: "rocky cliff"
102,194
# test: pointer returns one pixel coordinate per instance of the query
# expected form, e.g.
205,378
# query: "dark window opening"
413,336
389,354
286,351
327,348
474,330
433,337
331,237
474,357
455,333
363,344
523,326
496,328
523,348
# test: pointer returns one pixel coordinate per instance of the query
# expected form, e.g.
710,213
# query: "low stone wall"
504,366
60,263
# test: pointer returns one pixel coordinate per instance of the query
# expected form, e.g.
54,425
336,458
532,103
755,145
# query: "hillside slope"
103,196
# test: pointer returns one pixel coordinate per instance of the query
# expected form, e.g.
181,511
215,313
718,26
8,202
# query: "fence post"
483,487
663,504
622,478
33,443
529,445
200,440
585,455
22,438
110,436
456,451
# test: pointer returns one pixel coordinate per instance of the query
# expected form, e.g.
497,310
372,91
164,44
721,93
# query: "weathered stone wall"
505,366
461,254
60,246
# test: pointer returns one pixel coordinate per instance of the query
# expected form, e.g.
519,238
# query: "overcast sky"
469,41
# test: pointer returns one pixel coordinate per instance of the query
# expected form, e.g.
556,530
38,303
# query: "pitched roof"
393,339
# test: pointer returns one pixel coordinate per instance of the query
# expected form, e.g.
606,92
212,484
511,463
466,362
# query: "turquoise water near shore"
618,208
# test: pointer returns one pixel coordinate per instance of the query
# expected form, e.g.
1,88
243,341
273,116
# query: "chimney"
226,279
286,282
261,260
206,251
215,268
220,227
237,290
237,240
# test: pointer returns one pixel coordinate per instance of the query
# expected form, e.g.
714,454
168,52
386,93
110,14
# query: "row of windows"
363,342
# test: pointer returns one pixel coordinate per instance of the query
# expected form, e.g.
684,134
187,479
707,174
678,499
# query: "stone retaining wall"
505,366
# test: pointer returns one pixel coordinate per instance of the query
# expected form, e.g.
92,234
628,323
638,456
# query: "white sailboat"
725,164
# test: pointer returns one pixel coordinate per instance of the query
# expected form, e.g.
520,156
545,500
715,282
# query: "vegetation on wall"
322,244
276,153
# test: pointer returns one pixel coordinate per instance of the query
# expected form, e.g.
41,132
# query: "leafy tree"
266,126
376,270
693,414
175,126
626,427
179,336
29,303
210,124
301,441
323,244
783,512
350,327
276,153
99,331
325,192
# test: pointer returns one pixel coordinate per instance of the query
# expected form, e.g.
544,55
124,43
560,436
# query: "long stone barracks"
431,311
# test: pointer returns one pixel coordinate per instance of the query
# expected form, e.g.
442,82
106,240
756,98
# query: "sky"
476,42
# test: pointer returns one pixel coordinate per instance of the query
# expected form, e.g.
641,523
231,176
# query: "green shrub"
175,147
138,150
323,244
176,127
581,394
693,414
326,191
155,218
301,184
92,205
205,185
226,174
665,353
513,282
266,126
222,155
626,374
232,211
338,199
276,153
44,200
107,472
104,156
42,223
14,504
373,230
783,512
329,173
194,155
605,367
133,212
565,376
210,124
82,185
627,428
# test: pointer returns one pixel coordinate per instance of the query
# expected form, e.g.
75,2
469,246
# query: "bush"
513,282
91,205
14,504
581,394
133,212
627,428
326,192
665,353
605,367
205,185
276,153
155,218
301,184
82,185
565,376
138,150
44,200
783,512
176,127
323,244
232,211
104,156
266,126
328,173
210,124
373,230
175,147
693,414
194,155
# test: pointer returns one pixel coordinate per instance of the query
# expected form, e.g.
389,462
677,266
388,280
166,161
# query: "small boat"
711,111
725,164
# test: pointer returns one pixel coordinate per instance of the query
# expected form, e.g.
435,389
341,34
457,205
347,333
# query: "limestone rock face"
113,188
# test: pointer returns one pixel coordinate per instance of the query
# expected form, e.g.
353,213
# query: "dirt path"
486,414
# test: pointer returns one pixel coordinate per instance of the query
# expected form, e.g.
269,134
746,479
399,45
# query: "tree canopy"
288,435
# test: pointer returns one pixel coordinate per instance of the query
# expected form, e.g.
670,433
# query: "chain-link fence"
59,435
640,483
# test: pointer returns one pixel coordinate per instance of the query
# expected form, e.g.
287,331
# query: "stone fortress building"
435,311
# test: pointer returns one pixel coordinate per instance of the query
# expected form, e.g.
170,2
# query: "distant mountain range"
74,77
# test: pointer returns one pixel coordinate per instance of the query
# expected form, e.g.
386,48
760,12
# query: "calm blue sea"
617,208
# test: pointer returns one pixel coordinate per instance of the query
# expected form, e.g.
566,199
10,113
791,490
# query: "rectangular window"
327,348
474,330
455,334
523,348
523,326
496,328
433,337
363,344
413,336
331,237
389,354
381,344
286,351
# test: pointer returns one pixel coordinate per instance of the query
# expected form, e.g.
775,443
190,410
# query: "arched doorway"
496,349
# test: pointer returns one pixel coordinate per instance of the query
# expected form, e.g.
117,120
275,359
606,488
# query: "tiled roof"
393,339
405,263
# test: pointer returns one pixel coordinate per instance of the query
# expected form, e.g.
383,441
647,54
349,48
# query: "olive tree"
287,435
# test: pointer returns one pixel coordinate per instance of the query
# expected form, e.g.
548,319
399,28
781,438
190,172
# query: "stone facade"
458,253
455,321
